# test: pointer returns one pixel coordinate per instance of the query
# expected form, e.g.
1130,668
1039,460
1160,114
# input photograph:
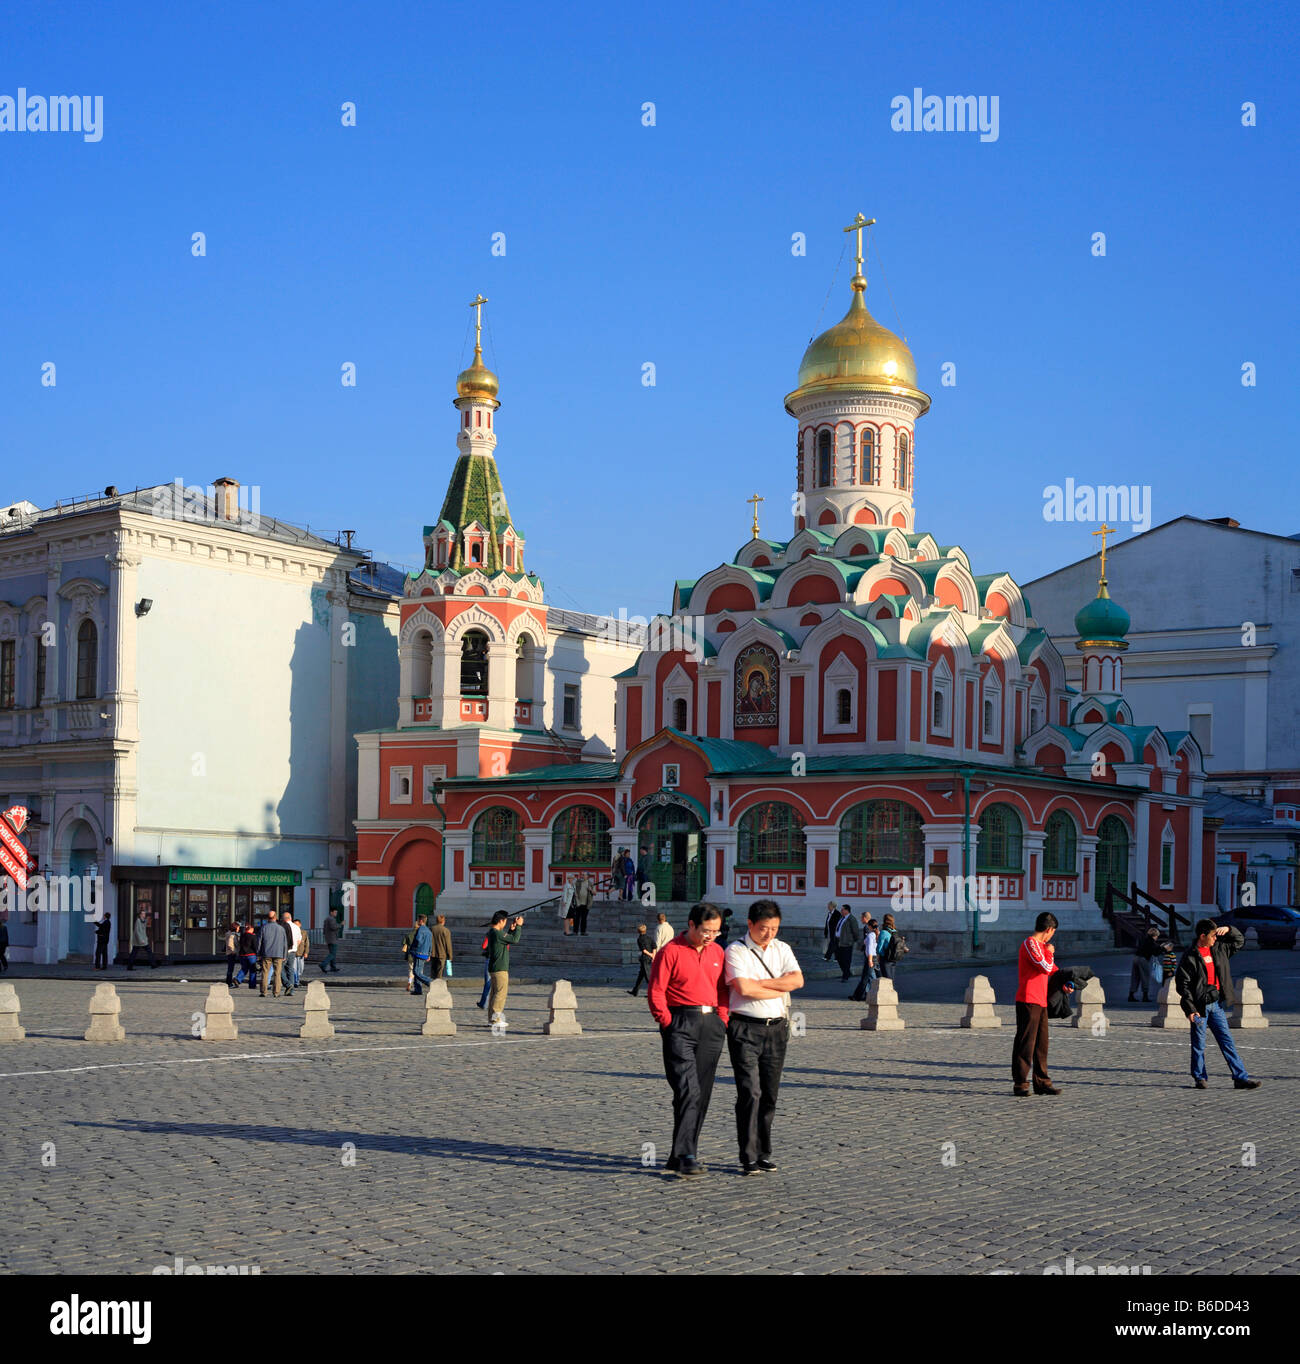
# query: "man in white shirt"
869,967
663,932
760,971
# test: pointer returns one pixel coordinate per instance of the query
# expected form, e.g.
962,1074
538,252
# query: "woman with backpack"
892,946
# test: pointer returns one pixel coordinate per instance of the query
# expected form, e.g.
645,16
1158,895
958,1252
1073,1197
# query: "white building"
180,677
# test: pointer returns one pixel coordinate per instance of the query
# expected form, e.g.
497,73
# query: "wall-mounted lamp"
144,606
717,806
622,807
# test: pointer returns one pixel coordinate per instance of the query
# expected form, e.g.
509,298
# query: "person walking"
688,998
1029,1050
332,932
406,957
663,932
887,951
629,876
1144,954
304,951
291,969
232,953
616,877
272,946
645,946
140,940
1205,990
103,933
500,941
421,952
487,971
247,957
869,963
829,927
582,898
441,959
847,935
760,972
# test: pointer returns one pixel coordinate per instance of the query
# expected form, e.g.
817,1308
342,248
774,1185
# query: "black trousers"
642,975
579,914
232,965
757,1051
101,952
1030,1047
148,948
844,955
692,1044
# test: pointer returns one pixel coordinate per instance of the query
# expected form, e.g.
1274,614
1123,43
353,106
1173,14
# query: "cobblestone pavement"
524,1154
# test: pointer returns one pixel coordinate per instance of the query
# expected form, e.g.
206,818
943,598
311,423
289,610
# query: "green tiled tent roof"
475,494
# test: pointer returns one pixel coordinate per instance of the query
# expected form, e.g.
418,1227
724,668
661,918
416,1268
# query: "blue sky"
669,244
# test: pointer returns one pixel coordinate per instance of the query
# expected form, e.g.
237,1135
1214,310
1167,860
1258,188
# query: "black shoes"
1048,1088
1245,1084
690,1166
1202,1084
671,1165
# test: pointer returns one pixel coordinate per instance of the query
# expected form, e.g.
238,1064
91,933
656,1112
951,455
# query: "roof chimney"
227,490
1224,521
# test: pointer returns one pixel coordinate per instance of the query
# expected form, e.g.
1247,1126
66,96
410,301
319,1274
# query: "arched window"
940,718
580,837
422,664
498,838
476,553
87,661
847,444
525,657
999,840
424,899
679,715
825,468
474,664
843,707
870,465
1059,846
881,833
904,461
771,835
988,718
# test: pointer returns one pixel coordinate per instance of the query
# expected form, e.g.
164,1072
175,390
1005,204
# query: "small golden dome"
477,381
857,352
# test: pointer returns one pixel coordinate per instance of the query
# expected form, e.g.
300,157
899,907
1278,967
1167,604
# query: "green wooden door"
670,848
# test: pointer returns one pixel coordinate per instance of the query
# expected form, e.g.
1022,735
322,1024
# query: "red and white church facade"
828,714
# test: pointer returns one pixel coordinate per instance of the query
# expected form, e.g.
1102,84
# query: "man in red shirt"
1204,988
1030,1047
688,997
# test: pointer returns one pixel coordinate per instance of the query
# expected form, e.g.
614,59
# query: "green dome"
1102,619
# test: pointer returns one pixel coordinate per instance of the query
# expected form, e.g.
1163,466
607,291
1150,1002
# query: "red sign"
18,870
17,816
14,857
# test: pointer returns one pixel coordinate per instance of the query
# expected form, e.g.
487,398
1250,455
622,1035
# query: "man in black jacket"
1205,989
645,946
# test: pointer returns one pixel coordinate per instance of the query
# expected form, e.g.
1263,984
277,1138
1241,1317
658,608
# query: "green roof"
475,494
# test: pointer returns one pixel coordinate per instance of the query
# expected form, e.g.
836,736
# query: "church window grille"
825,468
904,462
771,835
498,839
843,707
1060,846
580,837
870,465
474,664
41,656
881,833
1000,840
679,715
87,661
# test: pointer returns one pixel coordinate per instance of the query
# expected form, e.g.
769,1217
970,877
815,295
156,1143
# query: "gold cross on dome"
856,226
1104,532
477,305
754,501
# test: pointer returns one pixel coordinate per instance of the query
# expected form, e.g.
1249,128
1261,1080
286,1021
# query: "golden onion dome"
477,381
858,353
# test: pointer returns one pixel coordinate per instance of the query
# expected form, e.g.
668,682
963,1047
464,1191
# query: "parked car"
1274,925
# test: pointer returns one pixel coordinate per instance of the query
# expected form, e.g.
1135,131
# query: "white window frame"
840,676
576,726
1167,840
431,775
396,775
992,691
942,684
1199,709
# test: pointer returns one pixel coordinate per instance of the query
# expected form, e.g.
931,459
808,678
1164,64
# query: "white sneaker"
499,1018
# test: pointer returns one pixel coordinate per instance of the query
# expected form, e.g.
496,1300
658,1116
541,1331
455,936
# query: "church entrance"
1112,858
670,852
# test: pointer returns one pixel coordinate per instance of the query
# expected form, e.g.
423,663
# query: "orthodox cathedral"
851,713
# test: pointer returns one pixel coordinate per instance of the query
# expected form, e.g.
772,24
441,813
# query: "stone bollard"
10,1028
105,1007
563,1021
437,1011
219,1015
1248,1013
882,1008
316,1012
1091,1013
979,1005
1169,1009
